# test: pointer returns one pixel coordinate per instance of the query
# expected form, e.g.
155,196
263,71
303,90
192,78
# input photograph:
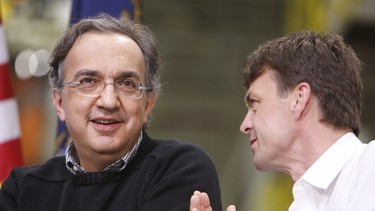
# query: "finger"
231,208
197,192
205,200
194,203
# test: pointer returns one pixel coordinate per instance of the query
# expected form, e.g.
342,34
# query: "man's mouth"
104,122
252,141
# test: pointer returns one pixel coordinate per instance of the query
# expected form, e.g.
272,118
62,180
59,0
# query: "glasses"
93,88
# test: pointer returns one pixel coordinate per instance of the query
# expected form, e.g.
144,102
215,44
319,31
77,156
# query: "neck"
311,146
98,161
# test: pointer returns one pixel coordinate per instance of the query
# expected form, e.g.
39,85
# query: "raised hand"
200,201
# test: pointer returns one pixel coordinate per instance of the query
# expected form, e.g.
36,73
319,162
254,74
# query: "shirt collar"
73,165
329,165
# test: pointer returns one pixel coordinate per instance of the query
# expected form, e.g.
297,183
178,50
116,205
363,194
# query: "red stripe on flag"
5,82
10,156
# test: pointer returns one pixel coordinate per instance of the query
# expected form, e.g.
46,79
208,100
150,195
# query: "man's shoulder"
371,145
159,147
368,151
52,168
173,155
175,146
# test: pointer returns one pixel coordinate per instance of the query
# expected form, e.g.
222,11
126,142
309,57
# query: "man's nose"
247,123
109,97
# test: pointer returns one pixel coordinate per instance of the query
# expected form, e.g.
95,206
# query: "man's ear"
301,97
57,101
150,103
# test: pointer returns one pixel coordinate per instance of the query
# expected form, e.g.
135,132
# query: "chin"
260,166
105,148
112,152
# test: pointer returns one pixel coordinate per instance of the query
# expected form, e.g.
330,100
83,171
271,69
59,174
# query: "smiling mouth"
105,122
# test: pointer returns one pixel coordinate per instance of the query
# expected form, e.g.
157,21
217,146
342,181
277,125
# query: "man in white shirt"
304,98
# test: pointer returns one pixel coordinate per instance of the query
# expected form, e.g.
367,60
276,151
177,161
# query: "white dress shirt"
343,178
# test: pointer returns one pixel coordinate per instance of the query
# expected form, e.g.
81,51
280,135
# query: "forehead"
106,53
262,86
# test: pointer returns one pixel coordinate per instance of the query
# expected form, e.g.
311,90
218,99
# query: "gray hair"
104,23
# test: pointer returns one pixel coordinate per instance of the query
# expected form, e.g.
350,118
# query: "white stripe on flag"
3,46
9,120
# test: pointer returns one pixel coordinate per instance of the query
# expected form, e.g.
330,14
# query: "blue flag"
117,8
88,8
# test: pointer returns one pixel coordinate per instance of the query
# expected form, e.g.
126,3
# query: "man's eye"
88,81
252,103
127,83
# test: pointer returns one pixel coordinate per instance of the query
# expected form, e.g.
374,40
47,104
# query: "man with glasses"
104,78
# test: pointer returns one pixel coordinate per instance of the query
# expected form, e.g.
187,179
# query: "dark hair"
104,23
325,62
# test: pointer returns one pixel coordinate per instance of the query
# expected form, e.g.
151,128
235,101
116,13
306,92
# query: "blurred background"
204,44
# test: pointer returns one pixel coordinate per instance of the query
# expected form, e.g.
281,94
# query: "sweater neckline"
88,178
55,170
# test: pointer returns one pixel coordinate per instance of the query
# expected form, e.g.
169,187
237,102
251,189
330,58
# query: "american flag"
10,147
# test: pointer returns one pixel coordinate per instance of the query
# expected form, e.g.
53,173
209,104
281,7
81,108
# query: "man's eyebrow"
250,95
247,99
122,74
86,72
129,74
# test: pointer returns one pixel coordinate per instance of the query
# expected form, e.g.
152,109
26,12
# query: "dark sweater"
162,176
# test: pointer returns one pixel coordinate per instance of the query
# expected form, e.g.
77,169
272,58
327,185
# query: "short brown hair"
325,62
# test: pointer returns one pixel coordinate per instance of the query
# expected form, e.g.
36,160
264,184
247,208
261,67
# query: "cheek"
134,110
147,107
75,108
271,122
